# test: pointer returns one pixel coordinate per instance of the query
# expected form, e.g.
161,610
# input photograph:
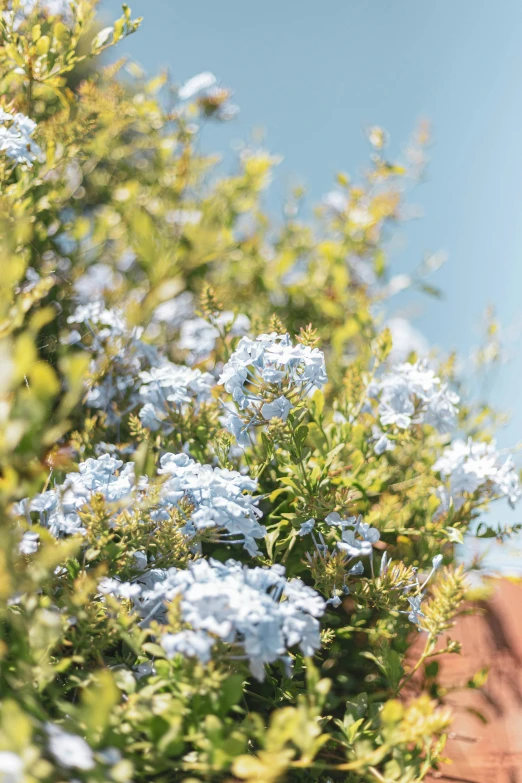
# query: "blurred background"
310,78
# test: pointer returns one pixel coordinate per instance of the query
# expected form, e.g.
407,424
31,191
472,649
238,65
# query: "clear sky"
314,74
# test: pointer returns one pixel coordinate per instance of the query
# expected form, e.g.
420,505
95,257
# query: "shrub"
225,503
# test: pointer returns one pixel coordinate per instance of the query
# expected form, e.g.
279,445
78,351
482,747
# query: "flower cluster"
466,466
16,141
357,540
357,537
256,610
52,7
413,394
219,499
170,386
69,750
118,354
198,337
267,377
411,588
58,508
329,567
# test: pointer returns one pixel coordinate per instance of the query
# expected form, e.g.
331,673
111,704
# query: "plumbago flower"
16,131
267,377
220,499
256,610
467,466
415,613
358,542
382,442
58,508
212,99
413,394
170,387
69,750
357,537
11,767
118,355
198,337
329,567
53,7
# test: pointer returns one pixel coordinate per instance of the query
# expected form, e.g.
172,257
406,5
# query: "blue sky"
314,75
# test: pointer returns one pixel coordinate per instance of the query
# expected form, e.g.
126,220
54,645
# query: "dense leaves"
226,490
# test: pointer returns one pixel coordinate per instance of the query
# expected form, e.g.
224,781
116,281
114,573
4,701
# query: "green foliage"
122,183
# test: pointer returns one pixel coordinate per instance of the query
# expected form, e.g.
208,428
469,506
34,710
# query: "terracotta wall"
487,752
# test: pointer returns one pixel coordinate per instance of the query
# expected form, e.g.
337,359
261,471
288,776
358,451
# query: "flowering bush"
225,501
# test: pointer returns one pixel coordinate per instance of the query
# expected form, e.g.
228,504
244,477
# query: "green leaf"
454,535
231,692
98,700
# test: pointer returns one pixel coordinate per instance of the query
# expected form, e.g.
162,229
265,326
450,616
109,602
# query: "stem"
425,654
30,88
300,464
376,774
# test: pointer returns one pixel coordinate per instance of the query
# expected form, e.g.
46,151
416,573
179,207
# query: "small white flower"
383,443
362,546
202,81
144,669
140,560
192,644
69,750
411,393
335,520
11,767
353,546
469,466
16,131
271,360
29,543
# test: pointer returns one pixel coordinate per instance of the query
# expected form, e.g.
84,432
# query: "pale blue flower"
192,644
255,608
279,408
334,602
412,393
416,614
16,131
257,366
307,527
471,465
202,81
69,750
11,767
